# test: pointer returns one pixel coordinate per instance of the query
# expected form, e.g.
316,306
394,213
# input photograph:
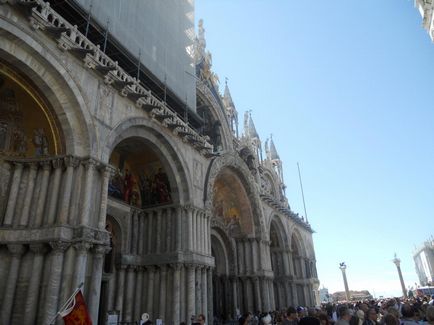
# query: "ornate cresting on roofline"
69,38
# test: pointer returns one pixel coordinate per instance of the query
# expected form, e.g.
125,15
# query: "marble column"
204,285
24,220
191,299
178,233
265,294
39,216
16,251
272,296
206,234
190,232
54,190
254,245
194,230
129,295
158,232
13,194
31,303
198,285
168,229
235,304
176,292
240,251
210,319
141,248
257,292
53,286
247,260
70,163
120,290
135,231
150,231
163,292
139,294
87,194
95,283
107,172
81,249
150,298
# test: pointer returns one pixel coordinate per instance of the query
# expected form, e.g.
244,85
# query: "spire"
227,98
273,152
251,131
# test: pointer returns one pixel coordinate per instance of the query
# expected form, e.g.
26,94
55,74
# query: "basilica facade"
106,180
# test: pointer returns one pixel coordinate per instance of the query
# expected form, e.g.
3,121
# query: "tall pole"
397,262
343,267
302,193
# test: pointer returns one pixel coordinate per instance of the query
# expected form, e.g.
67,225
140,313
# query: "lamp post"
343,267
397,262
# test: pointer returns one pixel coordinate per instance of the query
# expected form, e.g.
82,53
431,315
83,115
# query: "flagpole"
68,301
302,193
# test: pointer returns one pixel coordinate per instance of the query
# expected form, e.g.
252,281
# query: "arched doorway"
297,262
279,265
233,213
108,279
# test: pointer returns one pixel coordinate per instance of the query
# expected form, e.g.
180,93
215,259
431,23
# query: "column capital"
122,267
45,164
59,246
176,266
82,247
18,165
101,249
16,249
33,165
150,268
131,268
71,161
38,248
190,266
57,163
90,163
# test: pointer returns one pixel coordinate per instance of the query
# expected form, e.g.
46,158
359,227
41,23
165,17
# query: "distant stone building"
424,262
111,178
425,8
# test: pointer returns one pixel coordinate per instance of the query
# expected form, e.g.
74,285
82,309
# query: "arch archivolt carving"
280,226
238,166
228,245
165,148
45,70
300,242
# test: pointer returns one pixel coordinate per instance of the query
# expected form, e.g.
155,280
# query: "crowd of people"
394,311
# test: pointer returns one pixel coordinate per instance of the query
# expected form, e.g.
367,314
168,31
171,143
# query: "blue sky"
345,88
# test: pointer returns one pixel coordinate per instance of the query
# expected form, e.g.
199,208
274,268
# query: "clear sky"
346,89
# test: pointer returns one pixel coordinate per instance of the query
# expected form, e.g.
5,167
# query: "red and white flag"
76,312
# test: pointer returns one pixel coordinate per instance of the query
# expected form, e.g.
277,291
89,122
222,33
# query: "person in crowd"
371,317
407,312
311,318
430,315
291,317
390,319
344,316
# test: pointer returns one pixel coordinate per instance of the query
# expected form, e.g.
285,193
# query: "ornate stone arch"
270,178
299,241
146,130
218,232
238,166
43,68
282,233
217,113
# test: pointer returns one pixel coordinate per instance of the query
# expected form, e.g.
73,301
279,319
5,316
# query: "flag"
76,312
